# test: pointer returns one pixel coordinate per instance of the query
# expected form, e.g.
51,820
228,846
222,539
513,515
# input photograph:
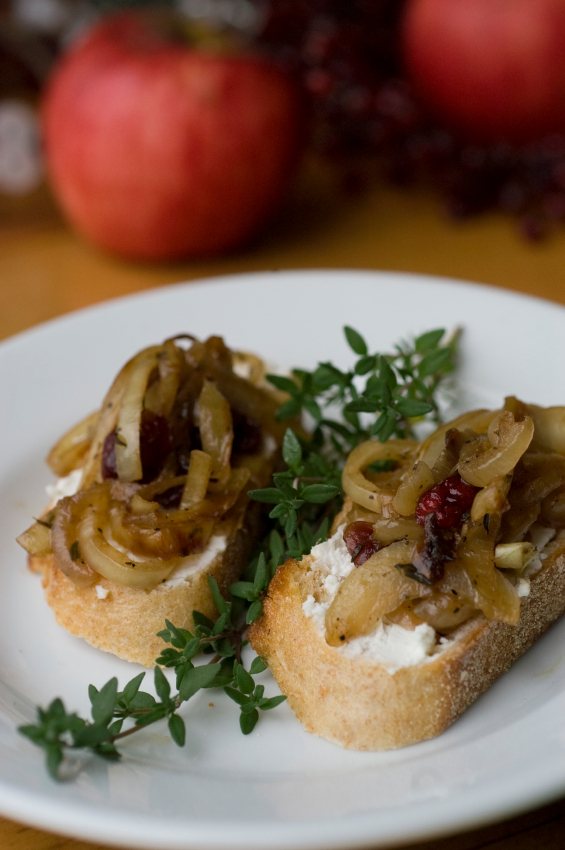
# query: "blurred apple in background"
158,150
493,69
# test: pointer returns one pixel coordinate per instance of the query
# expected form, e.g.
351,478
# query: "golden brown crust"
355,702
127,620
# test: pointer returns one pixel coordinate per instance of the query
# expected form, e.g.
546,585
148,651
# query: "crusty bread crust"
127,620
355,702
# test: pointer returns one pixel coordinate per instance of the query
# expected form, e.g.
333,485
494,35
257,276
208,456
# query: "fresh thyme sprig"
58,731
398,389
310,480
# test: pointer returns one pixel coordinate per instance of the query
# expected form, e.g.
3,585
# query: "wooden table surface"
45,270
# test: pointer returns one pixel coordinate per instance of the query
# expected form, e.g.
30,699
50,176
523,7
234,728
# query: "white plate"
279,787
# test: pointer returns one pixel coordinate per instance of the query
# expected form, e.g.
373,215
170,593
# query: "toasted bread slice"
356,702
125,620
152,497
440,573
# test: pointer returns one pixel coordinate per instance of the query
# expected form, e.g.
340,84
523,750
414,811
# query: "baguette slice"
125,620
162,471
356,702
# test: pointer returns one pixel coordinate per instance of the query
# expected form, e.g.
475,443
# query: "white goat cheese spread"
189,565
67,486
197,562
390,645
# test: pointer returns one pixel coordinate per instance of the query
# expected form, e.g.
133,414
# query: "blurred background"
415,135
371,117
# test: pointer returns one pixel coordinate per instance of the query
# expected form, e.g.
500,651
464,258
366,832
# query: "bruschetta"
151,496
445,565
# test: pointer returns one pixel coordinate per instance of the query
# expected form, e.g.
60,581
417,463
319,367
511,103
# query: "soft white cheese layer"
67,486
390,644
195,563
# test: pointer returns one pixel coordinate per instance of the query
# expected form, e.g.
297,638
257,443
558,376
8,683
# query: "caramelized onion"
517,522
127,441
115,565
215,505
549,427
405,616
154,535
150,491
443,612
538,474
68,453
255,402
509,440
197,479
431,448
369,592
36,540
492,498
64,540
248,366
389,529
140,506
446,463
553,509
131,532
517,407
413,485
108,418
474,577
216,429
356,485
160,395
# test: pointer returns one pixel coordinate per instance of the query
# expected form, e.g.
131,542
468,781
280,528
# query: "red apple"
494,69
157,150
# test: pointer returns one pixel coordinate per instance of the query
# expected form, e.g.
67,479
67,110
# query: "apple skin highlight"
156,150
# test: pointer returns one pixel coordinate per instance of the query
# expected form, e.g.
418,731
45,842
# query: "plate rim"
154,292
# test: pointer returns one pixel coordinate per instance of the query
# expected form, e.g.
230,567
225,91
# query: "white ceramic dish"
280,787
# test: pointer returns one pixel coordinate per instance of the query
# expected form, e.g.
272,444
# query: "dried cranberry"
108,467
357,538
170,498
367,549
355,534
247,436
154,443
448,500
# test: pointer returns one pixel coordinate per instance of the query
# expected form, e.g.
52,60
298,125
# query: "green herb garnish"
57,731
382,396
